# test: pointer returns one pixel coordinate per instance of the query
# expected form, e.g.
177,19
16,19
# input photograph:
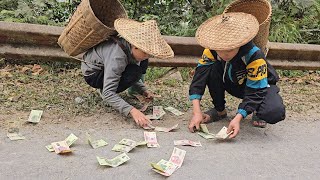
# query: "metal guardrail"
22,42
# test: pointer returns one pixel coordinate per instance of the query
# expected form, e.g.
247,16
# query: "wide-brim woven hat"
227,31
144,35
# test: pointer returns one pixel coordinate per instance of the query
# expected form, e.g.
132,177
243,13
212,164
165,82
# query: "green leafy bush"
293,21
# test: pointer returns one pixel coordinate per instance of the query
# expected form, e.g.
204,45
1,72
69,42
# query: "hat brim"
145,36
227,31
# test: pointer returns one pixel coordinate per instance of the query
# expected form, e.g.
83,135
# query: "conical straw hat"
227,31
145,36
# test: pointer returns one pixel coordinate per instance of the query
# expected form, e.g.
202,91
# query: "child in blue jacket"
231,62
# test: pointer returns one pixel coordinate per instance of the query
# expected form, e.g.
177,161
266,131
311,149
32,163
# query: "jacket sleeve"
113,68
139,87
256,84
201,75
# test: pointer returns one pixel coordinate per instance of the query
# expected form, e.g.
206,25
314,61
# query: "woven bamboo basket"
262,10
92,23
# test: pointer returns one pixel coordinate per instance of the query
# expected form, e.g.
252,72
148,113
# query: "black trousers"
131,75
272,109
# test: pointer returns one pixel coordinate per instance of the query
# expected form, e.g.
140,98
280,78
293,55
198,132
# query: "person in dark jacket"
232,62
119,63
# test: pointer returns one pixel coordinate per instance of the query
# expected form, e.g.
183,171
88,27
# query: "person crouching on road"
118,63
232,62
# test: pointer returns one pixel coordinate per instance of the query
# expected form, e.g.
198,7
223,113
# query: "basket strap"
116,40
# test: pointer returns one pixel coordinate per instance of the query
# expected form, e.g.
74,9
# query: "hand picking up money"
222,134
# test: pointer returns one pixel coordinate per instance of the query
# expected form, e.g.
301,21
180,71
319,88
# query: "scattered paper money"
15,136
174,111
157,113
61,147
152,117
167,168
149,127
151,138
205,132
164,129
50,148
222,134
115,162
35,116
177,156
14,126
122,148
187,143
128,142
142,143
164,167
95,143
205,135
69,140
203,128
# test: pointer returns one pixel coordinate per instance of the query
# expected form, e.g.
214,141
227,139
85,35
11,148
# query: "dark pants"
130,75
271,109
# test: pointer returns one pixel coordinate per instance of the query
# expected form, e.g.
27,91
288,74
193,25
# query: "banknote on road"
69,140
15,136
177,156
186,142
122,148
164,129
95,143
148,127
151,138
204,132
158,112
205,135
174,111
142,143
35,116
128,142
61,147
164,167
204,128
115,162
167,168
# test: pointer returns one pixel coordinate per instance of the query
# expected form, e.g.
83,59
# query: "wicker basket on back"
262,10
92,23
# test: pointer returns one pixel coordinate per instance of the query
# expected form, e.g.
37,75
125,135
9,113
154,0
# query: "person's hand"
234,126
197,118
139,117
149,95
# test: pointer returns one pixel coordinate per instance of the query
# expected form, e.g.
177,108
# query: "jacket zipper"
224,72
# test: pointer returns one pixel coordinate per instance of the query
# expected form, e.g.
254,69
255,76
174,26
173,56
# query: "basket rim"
98,20
244,1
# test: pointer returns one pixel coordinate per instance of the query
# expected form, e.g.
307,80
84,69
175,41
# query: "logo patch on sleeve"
257,70
207,57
